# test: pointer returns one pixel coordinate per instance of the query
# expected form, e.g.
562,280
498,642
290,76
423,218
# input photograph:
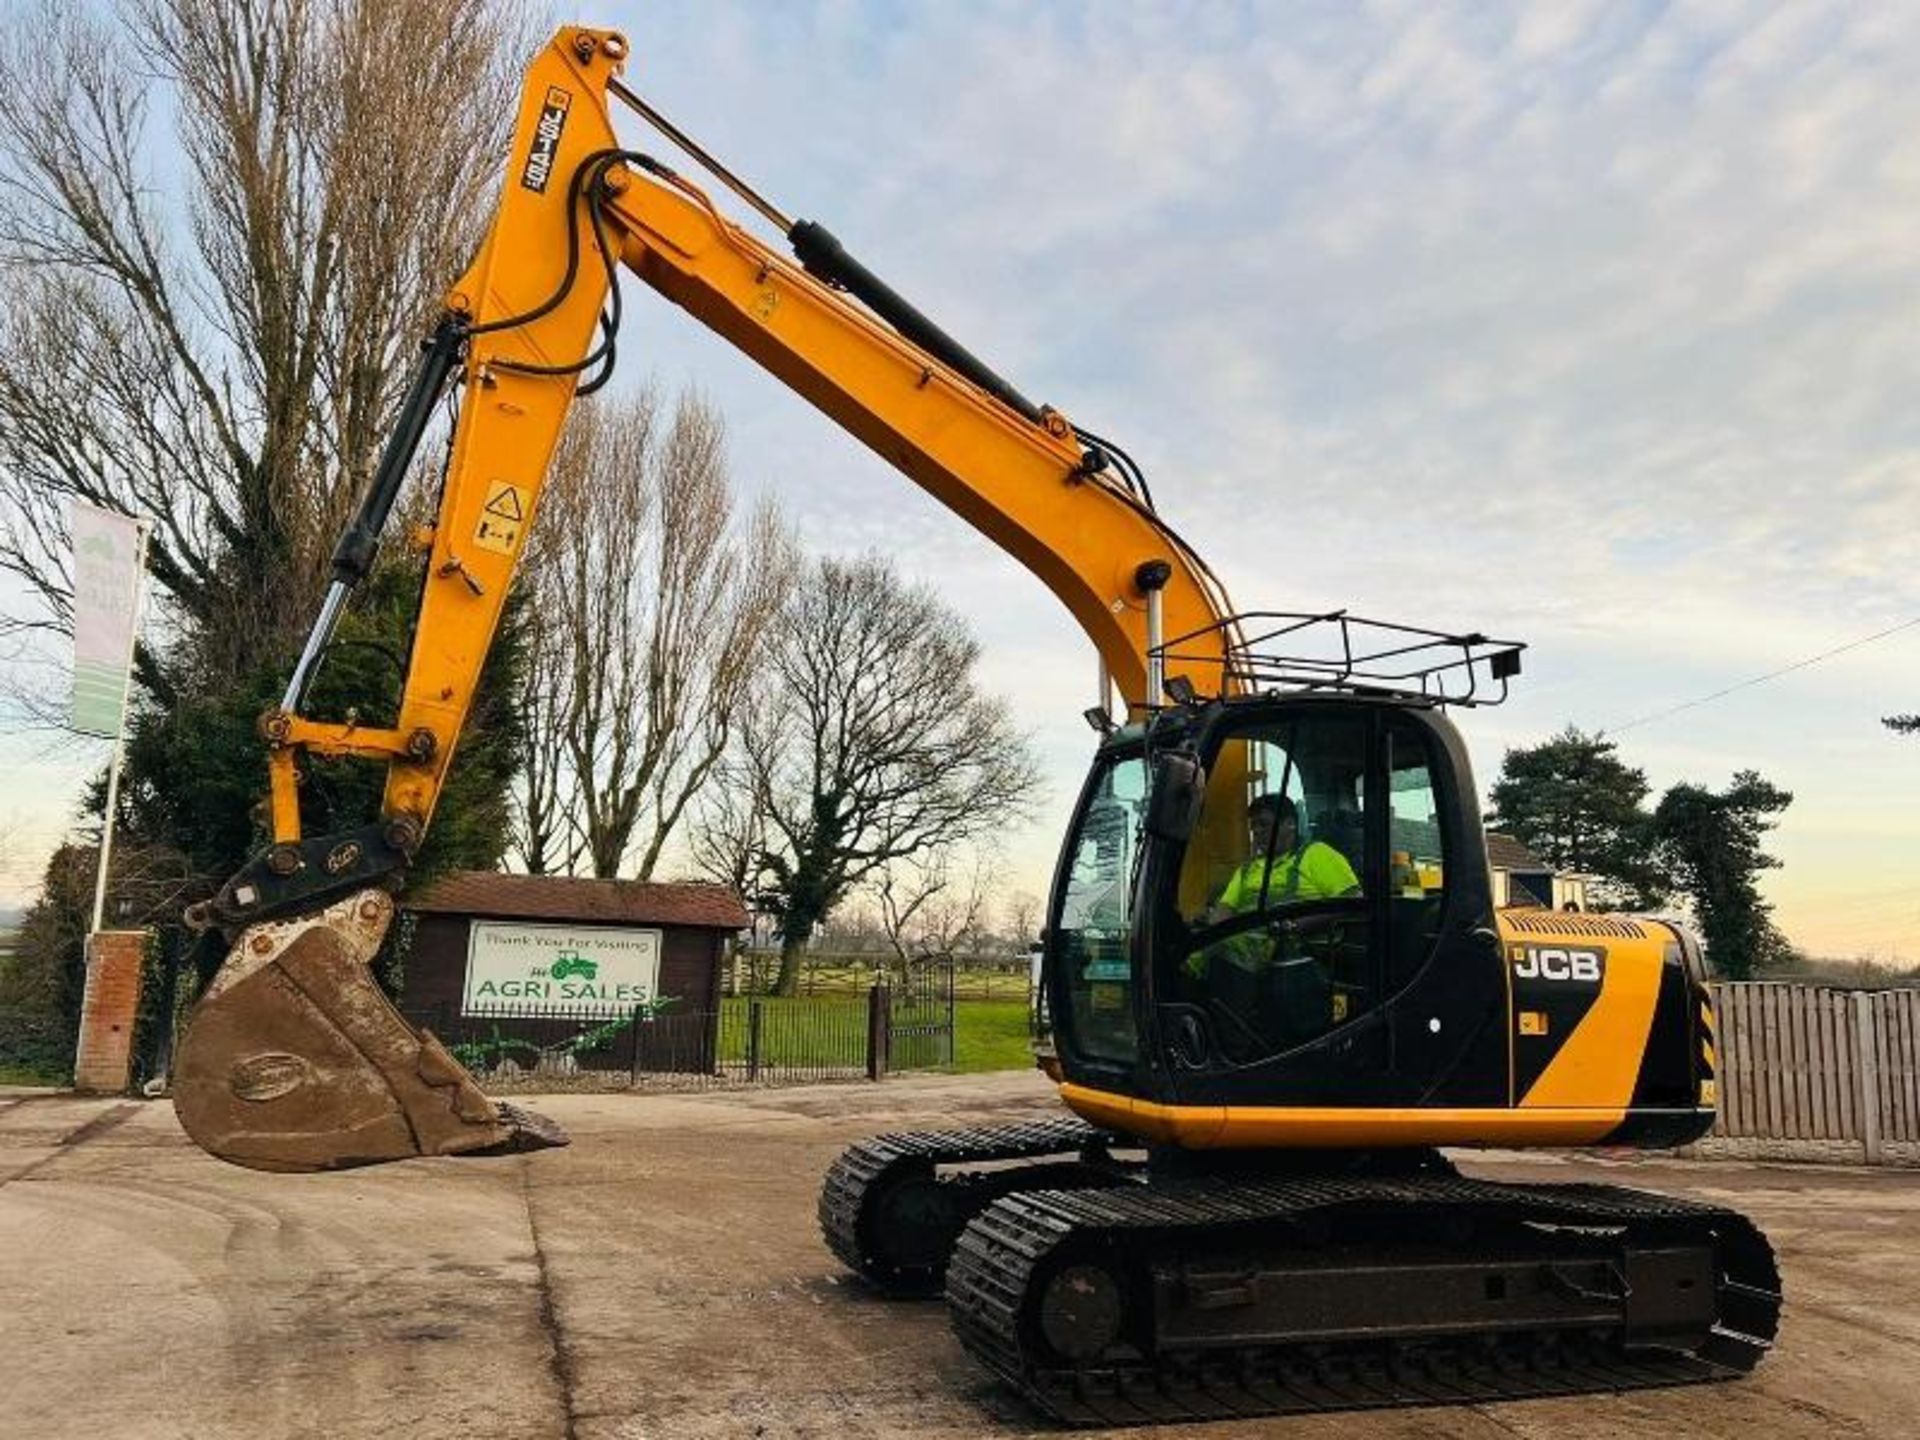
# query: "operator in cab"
1280,869
1279,872
1267,989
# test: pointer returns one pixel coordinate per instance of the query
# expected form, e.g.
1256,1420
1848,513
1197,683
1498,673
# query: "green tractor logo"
571,963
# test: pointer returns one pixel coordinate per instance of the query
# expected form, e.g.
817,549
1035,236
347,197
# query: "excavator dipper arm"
294,1058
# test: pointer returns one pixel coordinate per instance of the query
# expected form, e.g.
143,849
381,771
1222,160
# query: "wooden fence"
1802,1062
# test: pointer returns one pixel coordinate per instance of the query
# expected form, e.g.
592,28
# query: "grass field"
26,1075
823,1032
991,1035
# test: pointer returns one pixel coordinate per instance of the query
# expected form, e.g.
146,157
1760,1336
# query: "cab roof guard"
1282,650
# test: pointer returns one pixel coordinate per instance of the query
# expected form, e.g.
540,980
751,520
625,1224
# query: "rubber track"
864,1169
1006,1248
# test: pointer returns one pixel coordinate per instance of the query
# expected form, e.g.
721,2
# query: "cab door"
1445,975
1345,963
1269,935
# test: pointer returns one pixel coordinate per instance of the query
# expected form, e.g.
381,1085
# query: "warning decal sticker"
503,517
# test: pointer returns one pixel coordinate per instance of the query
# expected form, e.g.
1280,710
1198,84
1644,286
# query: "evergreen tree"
1712,844
1574,803
196,771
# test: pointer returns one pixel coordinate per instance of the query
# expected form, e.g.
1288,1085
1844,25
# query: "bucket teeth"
531,1131
295,1060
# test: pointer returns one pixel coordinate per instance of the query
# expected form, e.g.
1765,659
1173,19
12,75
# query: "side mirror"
1179,787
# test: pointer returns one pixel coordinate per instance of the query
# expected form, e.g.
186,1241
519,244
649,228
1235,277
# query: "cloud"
1589,321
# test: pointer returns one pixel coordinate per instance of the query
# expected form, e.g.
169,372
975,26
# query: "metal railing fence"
752,1039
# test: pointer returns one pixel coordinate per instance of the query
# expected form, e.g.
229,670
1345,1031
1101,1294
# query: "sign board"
583,969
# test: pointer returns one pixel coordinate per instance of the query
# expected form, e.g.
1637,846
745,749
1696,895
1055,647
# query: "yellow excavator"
1277,980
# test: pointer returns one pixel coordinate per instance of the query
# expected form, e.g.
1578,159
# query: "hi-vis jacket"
1317,871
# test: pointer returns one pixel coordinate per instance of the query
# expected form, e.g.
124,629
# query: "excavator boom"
294,1058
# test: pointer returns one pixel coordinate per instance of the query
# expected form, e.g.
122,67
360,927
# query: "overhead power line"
1648,719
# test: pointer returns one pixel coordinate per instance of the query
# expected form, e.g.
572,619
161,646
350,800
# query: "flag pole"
120,731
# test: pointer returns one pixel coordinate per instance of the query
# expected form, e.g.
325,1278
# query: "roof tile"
566,897
1506,853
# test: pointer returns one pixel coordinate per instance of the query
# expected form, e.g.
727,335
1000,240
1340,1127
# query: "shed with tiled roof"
515,955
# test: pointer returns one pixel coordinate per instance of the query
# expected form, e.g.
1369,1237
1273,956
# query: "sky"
1593,325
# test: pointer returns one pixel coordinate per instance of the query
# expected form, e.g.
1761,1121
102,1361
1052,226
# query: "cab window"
1093,929
1275,945
1283,791
1417,871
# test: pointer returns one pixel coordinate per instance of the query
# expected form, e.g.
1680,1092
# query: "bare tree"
652,600
934,905
1021,919
728,833
145,886
544,833
901,893
11,863
214,333
877,746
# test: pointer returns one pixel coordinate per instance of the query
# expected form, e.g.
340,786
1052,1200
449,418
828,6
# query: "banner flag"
106,590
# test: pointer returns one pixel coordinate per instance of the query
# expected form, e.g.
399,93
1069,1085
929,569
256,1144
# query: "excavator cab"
1204,952
1273,926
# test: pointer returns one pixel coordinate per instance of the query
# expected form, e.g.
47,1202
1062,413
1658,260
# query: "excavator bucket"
295,1060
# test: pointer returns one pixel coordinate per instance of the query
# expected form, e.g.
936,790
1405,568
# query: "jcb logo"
1542,962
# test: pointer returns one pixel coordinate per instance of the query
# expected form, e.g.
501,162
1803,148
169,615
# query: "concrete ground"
663,1279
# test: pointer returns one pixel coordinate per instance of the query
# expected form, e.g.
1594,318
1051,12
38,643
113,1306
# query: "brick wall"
107,1010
